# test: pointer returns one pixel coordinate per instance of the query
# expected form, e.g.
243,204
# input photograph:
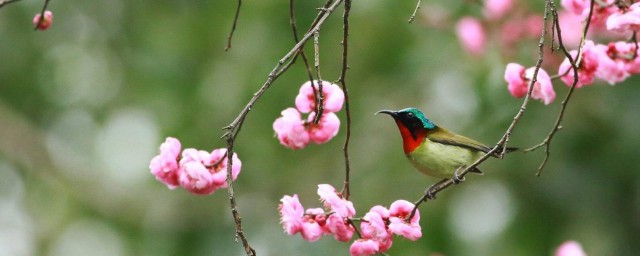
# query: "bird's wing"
444,136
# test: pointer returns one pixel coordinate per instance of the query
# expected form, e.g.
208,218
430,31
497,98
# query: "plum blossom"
165,165
625,20
325,129
374,228
471,35
398,212
518,81
334,202
495,9
570,248
587,67
46,21
363,247
601,11
291,212
313,224
333,97
316,222
290,129
617,61
203,173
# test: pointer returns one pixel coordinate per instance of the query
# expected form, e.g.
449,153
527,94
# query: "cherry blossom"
570,248
471,35
518,81
165,165
290,129
325,129
46,21
333,97
587,67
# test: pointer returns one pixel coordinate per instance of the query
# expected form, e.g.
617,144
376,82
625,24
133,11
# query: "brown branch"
5,2
502,143
342,80
44,8
233,129
294,28
413,15
575,65
233,26
319,96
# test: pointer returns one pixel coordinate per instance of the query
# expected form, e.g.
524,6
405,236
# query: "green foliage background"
84,106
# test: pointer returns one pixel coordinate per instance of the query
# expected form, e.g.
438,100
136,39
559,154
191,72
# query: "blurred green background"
85,105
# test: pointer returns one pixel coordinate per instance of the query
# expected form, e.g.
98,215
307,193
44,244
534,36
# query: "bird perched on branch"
436,151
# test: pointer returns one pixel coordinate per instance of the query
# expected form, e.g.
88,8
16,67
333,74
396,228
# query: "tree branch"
5,2
342,80
233,26
233,129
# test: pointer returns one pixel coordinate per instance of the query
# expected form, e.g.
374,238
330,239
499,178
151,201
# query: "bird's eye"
410,115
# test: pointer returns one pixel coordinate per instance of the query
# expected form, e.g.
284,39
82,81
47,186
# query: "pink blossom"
363,247
312,224
291,212
334,201
570,248
290,129
495,9
571,26
518,83
46,21
325,130
575,6
203,173
333,97
471,35
587,67
616,63
374,227
601,11
165,165
514,75
399,211
625,20
543,88
341,230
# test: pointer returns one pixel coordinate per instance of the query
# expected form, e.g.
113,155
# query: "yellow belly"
440,160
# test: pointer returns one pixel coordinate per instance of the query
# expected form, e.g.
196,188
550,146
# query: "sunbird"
436,151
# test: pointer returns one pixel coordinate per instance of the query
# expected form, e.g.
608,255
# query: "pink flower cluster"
315,222
294,132
197,171
377,226
612,63
46,21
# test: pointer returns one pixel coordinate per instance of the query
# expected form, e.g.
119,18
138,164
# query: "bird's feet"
457,179
430,193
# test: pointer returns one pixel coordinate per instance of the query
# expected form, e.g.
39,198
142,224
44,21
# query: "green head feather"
411,113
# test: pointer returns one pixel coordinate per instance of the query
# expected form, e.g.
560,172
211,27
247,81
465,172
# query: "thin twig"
233,129
5,2
294,28
44,8
233,26
342,80
575,65
502,143
413,15
319,96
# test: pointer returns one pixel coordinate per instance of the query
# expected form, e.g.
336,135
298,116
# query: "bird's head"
413,126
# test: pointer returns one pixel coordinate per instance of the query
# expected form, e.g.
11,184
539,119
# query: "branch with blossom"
201,172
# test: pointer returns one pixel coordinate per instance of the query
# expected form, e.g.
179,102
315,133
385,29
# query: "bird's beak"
393,114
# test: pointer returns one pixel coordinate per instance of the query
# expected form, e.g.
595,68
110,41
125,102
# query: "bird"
436,151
